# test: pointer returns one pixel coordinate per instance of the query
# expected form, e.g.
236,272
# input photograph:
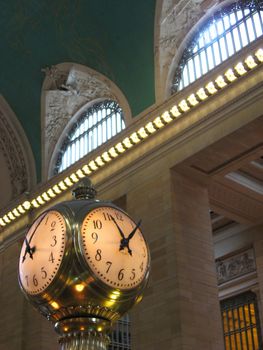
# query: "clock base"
89,333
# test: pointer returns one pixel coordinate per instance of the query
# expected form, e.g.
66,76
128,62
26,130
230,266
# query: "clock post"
84,263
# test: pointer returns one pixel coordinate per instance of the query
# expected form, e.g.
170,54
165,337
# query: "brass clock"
114,248
84,263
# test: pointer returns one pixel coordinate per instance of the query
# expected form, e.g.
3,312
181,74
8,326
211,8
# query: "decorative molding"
237,265
67,89
16,150
12,152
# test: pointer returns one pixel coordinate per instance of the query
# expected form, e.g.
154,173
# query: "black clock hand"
134,230
27,250
119,229
124,241
40,221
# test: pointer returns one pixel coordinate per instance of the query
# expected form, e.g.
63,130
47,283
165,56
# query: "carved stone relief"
175,20
67,89
13,154
235,266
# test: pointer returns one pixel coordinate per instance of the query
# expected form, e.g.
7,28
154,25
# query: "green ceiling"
114,37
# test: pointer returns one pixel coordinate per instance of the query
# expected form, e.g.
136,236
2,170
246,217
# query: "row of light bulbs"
138,136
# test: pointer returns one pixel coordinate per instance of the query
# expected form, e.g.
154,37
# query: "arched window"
96,125
227,32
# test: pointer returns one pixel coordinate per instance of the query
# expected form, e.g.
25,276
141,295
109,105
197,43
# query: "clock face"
42,252
114,247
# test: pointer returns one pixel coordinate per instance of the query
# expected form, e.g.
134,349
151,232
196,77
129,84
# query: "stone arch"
18,173
67,89
175,22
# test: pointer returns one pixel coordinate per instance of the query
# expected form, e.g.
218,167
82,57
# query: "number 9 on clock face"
114,248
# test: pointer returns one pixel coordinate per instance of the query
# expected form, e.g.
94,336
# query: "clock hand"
27,250
134,230
40,221
119,229
124,241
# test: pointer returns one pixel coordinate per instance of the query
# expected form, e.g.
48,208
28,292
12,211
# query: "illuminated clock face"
42,252
114,247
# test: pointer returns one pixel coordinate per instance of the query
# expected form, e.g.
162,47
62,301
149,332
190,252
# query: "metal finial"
84,189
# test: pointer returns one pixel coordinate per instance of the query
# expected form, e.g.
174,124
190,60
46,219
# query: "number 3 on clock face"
114,248
42,252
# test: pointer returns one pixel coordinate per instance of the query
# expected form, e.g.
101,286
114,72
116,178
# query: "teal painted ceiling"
114,37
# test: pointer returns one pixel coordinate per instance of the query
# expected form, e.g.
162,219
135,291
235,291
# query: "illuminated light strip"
175,112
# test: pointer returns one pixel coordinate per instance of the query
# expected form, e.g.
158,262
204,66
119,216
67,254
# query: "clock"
42,252
83,264
114,248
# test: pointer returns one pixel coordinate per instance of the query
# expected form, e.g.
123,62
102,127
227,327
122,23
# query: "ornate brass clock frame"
97,272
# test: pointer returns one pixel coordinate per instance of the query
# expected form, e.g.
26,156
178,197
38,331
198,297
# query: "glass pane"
244,340
109,128
185,77
210,58
243,34
239,14
232,18
226,22
233,343
95,138
216,53
203,62
207,37
201,41
219,26
114,126
250,28
81,145
77,150
257,22
197,66
213,32
236,39
255,337
229,44
223,48
99,134
104,131
191,70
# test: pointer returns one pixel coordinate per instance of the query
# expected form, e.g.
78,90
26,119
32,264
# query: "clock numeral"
95,237
118,216
98,255
121,275
97,224
46,219
44,273
144,253
133,275
109,263
26,277
141,267
51,258
53,225
35,281
106,216
55,241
